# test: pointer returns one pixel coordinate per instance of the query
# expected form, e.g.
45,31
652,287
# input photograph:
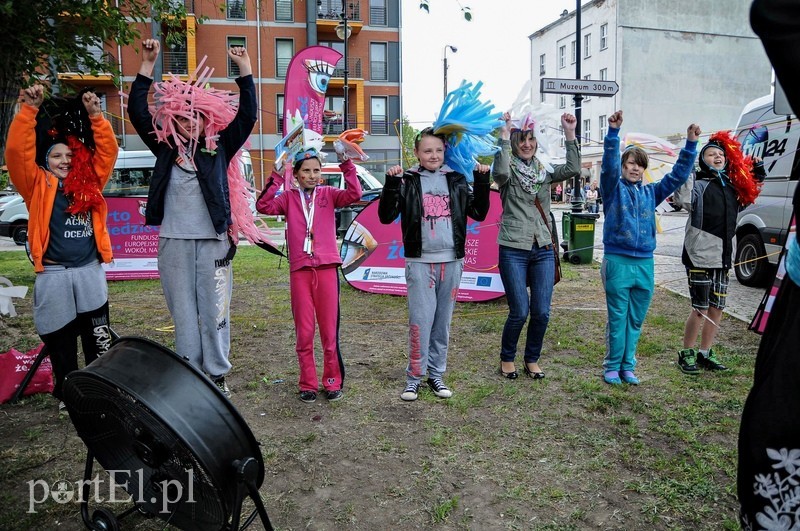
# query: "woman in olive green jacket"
526,252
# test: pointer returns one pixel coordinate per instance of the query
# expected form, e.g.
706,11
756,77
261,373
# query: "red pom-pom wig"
738,168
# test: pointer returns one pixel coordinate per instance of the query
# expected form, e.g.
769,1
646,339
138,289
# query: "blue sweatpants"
629,284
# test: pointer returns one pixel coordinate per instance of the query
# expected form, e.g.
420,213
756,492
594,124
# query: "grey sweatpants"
197,281
432,290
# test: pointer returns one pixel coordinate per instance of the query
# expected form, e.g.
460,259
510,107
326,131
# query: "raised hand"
693,132
615,120
150,51
569,123
394,171
240,57
33,96
505,129
92,103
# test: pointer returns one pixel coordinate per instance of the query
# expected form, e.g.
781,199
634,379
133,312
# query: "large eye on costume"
319,73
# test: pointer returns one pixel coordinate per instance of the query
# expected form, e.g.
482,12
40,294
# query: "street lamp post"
454,50
343,32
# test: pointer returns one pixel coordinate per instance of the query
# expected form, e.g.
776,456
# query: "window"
560,136
562,56
377,13
604,36
562,102
573,53
587,97
541,64
284,11
380,121
587,131
235,9
233,69
604,74
603,126
284,50
378,66
587,45
279,113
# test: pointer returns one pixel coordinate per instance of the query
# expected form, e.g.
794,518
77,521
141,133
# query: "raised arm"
352,187
389,203
138,111
21,143
234,136
478,205
682,167
106,147
500,168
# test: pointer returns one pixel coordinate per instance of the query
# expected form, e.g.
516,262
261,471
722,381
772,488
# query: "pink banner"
373,259
135,245
304,89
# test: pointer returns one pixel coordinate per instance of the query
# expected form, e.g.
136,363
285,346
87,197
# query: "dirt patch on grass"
567,452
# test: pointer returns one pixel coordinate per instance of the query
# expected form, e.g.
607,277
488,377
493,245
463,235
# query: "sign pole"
577,194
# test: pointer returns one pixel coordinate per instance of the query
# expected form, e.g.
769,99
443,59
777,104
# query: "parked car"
370,190
14,218
762,228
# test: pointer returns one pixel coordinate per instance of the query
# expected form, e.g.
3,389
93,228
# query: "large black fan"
179,447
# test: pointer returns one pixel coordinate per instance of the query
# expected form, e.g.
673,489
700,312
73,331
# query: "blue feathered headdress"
467,124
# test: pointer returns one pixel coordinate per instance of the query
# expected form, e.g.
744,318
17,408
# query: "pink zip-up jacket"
328,198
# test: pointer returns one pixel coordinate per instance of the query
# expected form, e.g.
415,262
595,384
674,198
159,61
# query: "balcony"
175,63
353,68
335,126
332,10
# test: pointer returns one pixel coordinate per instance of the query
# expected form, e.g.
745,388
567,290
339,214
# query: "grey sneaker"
439,388
410,392
687,361
333,396
710,361
222,386
308,396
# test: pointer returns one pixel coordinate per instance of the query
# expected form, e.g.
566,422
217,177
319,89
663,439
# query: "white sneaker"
410,392
439,388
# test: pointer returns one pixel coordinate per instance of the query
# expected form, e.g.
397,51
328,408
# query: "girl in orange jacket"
61,175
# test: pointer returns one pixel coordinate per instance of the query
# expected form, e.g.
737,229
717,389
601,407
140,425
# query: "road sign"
554,85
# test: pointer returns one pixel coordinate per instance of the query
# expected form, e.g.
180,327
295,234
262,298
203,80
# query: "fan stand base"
246,470
246,474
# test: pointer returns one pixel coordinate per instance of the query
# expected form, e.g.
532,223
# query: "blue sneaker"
612,377
629,378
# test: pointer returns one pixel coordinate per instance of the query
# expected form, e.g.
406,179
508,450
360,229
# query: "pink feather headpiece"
174,98
526,123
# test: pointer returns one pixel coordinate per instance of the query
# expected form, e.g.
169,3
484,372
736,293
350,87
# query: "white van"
761,228
130,178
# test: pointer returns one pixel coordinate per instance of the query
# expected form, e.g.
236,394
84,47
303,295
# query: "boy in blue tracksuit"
629,239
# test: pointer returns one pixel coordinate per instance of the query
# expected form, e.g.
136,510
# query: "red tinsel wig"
82,185
738,168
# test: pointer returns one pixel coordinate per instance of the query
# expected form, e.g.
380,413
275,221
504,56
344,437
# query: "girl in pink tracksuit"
313,264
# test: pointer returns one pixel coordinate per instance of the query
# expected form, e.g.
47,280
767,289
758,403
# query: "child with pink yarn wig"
195,132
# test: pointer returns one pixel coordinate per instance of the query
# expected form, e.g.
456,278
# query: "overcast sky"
493,48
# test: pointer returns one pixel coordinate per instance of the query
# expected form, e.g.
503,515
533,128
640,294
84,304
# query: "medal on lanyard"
308,212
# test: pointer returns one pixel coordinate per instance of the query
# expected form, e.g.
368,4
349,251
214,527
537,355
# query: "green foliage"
465,10
50,36
408,134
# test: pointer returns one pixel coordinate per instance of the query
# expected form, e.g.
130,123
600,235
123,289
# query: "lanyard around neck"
308,213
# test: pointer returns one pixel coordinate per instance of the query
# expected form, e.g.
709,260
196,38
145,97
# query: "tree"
40,38
408,134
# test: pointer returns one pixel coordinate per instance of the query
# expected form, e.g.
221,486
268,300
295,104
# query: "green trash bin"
578,232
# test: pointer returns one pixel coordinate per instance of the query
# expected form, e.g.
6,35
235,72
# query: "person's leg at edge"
513,266
449,277
541,273
326,303
617,284
301,286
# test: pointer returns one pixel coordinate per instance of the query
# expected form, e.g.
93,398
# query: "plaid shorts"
708,287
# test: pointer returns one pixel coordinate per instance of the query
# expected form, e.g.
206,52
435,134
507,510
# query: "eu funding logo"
170,491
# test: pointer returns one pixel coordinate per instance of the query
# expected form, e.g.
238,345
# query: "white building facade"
676,62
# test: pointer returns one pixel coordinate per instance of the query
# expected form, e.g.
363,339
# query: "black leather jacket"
402,196
212,169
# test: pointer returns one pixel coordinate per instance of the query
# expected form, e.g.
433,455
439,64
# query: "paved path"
670,273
